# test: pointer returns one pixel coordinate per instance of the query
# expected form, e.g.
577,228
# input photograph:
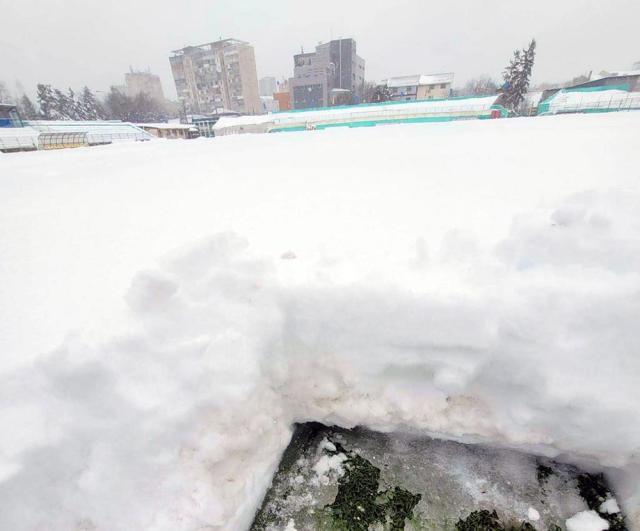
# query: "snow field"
475,280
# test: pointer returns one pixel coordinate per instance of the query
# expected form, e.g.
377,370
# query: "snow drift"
478,281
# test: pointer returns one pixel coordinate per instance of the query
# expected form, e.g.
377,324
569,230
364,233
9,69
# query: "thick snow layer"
587,521
478,280
599,100
420,108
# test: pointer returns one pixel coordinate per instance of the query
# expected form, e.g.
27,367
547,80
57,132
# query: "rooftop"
214,44
419,79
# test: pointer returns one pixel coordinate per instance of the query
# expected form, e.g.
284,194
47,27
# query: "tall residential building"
217,76
143,83
333,74
268,85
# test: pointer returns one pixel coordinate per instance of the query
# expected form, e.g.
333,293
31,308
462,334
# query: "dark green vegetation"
358,503
370,492
595,490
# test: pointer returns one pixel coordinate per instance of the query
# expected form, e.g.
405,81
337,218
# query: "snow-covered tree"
517,76
5,96
46,101
140,109
90,107
63,107
27,109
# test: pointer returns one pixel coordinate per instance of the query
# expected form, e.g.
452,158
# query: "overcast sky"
93,42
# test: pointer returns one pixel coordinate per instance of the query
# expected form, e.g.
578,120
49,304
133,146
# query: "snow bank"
440,278
596,101
587,521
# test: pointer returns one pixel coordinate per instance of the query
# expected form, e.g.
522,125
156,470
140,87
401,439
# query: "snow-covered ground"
168,309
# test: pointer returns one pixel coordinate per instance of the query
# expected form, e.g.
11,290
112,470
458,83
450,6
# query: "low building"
365,115
171,131
9,116
269,104
283,99
623,80
420,87
205,123
59,134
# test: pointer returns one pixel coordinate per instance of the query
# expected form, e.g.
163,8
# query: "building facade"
420,87
333,74
143,83
269,104
215,76
9,116
268,86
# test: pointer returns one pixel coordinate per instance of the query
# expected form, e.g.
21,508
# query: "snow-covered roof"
533,97
620,73
166,126
569,101
419,79
18,137
362,113
239,121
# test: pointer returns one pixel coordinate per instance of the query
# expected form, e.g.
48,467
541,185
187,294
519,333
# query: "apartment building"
217,76
332,74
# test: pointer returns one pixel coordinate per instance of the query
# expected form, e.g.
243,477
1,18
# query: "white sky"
93,42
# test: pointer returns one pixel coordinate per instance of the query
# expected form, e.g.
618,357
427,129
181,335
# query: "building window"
443,86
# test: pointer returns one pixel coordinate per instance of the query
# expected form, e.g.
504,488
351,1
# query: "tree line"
54,104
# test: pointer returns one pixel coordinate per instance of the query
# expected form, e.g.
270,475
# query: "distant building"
269,104
9,116
284,100
217,75
143,83
205,124
268,86
171,131
420,87
625,80
333,74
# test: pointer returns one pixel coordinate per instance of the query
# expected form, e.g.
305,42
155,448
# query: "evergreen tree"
62,106
28,110
141,109
90,107
46,101
517,76
118,105
5,97
74,109
380,94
